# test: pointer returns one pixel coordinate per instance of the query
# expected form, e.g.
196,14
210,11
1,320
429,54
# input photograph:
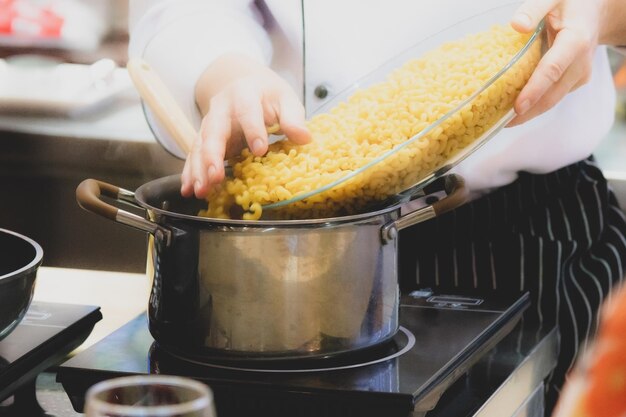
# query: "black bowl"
20,258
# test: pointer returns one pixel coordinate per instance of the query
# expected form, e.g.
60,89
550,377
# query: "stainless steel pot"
268,289
20,258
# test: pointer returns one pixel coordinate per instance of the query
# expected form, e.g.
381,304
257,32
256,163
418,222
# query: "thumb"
530,13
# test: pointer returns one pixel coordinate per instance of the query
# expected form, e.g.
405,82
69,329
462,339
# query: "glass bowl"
466,123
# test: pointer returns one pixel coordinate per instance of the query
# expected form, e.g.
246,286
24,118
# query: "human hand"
572,30
240,99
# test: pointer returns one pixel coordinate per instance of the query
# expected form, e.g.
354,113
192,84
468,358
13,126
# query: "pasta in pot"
377,119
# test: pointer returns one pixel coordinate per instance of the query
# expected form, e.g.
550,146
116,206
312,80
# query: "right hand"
240,99
574,28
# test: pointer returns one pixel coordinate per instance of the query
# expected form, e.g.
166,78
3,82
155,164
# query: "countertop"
121,297
120,119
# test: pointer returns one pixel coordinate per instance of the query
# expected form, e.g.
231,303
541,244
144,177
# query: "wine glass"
149,396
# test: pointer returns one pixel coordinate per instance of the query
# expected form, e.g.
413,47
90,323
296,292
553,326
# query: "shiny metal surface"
519,386
133,220
295,291
271,288
390,230
507,382
126,196
534,406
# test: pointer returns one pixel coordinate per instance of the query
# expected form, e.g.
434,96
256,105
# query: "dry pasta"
376,119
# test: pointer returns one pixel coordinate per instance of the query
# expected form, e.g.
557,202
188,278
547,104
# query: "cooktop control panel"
427,298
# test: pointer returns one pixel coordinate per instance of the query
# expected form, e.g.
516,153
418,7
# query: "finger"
530,13
550,69
270,115
292,122
271,110
236,143
207,166
555,94
199,175
219,133
186,188
249,114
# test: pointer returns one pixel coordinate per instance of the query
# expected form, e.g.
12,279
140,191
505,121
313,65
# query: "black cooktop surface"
440,337
46,334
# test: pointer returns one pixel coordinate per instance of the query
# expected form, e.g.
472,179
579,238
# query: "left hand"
573,28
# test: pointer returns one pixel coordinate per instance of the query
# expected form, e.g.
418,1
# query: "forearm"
613,27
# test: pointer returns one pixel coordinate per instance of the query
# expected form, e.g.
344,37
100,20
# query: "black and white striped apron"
560,236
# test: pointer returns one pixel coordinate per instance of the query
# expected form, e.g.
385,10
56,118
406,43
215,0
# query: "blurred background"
68,112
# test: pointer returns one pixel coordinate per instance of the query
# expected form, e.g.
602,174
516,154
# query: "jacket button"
321,91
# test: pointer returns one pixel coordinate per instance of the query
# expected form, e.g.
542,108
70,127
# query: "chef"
542,218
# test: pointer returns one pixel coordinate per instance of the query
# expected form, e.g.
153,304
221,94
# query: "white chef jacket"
331,44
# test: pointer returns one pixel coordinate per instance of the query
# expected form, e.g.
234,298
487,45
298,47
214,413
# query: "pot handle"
88,195
456,195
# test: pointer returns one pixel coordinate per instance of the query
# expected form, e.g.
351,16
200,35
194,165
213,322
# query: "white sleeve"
180,38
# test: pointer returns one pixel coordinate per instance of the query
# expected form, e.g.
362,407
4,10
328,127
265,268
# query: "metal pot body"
279,291
268,289
20,258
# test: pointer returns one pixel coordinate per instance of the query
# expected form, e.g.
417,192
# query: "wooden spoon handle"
156,95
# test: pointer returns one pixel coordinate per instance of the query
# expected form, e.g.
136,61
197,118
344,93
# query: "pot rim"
326,221
38,258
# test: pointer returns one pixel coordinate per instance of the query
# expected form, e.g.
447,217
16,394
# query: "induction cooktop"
45,336
440,337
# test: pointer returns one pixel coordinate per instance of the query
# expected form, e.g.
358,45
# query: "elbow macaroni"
375,120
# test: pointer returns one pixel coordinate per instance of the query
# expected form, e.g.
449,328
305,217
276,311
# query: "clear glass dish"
395,167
